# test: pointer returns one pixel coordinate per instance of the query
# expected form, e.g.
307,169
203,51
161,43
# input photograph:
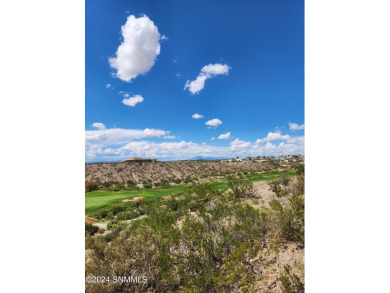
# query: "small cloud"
99,125
169,136
294,126
175,61
208,71
273,136
214,122
197,116
179,75
212,138
203,143
164,37
125,94
132,101
224,136
109,86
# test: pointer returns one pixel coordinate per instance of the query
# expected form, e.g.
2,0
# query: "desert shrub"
91,229
116,209
112,224
177,180
284,180
131,183
143,246
103,213
291,282
142,211
205,190
91,186
156,184
240,189
127,215
107,184
120,186
291,217
101,230
172,204
109,237
300,169
277,188
164,183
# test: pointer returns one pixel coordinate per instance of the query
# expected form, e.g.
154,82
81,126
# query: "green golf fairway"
101,199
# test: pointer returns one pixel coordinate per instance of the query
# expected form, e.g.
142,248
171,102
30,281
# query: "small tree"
91,186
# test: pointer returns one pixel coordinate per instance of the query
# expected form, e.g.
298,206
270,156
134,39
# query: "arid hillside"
195,170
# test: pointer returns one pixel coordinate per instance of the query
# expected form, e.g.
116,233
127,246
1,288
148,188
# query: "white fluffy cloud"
139,49
214,122
99,125
207,71
224,136
273,136
118,144
197,116
117,136
132,101
296,139
109,86
239,144
294,126
184,150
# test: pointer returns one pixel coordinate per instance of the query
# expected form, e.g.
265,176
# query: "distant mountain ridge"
206,158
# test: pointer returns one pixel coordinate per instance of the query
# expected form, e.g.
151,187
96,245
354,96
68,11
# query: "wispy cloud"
207,72
117,136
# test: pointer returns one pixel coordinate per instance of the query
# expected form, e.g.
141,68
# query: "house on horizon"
140,160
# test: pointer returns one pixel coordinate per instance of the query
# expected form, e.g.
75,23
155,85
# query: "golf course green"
105,199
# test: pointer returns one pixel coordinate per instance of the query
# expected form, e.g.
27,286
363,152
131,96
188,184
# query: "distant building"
140,160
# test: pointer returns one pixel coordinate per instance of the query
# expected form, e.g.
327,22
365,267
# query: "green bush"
103,213
127,215
291,217
109,237
116,209
240,189
91,229
291,283
131,183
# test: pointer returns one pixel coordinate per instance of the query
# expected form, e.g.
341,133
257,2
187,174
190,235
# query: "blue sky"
254,82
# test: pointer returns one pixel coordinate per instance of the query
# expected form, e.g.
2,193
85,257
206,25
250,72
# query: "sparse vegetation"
196,237
206,238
